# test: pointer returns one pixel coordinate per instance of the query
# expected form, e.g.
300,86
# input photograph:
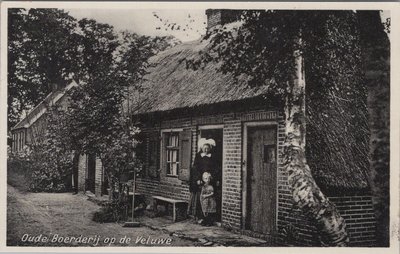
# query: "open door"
261,178
217,135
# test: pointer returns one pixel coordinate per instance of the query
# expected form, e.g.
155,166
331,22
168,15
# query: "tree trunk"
306,194
376,59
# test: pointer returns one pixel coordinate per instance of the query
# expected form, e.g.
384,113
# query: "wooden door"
261,179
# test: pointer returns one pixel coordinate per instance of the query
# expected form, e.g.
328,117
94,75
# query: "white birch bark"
306,194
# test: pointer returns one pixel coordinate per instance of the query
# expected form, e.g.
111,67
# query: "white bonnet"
204,141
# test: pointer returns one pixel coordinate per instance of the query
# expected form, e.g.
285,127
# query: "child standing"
207,198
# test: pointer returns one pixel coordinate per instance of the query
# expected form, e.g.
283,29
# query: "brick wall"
98,177
357,212
150,188
82,165
360,219
232,158
232,182
293,228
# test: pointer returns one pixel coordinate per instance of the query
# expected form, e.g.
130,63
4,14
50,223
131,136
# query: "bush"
51,169
42,168
18,169
52,157
111,212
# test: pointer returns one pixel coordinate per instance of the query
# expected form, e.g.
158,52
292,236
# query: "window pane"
174,169
176,141
170,140
168,168
172,152
174,155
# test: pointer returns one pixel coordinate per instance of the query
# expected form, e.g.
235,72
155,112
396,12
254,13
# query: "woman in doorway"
203,161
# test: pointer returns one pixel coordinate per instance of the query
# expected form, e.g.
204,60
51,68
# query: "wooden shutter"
185,154
153,164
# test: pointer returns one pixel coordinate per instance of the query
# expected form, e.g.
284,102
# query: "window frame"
164,153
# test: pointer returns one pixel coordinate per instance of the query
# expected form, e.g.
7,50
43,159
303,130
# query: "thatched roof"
171,85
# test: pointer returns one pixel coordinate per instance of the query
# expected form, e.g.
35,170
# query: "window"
172,153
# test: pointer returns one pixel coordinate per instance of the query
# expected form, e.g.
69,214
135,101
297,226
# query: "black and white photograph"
198,125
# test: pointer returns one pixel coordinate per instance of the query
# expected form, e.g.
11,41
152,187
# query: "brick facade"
292,228
83,174
358,213
232,160
98,177
82,166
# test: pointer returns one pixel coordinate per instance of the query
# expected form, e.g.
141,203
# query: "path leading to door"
67,215
207,236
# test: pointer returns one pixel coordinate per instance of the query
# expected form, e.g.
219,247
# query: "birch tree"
291,52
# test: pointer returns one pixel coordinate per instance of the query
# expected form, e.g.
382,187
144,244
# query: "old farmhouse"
178,106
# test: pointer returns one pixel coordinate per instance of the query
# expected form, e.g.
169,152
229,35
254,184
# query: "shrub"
53,156
50,169
18,169
111,212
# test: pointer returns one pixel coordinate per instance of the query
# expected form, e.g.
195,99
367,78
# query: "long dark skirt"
194,207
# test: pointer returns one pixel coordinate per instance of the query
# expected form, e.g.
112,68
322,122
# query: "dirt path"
67,215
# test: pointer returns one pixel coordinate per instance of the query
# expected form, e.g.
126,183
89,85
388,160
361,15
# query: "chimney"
217,17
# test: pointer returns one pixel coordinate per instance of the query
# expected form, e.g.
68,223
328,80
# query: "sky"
144,22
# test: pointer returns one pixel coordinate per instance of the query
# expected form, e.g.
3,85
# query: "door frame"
215,127
246,126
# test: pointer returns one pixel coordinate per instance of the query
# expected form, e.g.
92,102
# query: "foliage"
97,121
265,46
376,55
262,47
110,212
46,165
48,48
42,51
18,168
52,159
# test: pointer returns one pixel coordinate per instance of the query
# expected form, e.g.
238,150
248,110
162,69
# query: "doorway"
260,179
216,133
91,173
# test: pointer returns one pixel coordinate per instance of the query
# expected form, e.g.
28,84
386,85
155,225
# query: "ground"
69,215
59,215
